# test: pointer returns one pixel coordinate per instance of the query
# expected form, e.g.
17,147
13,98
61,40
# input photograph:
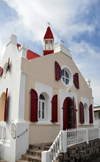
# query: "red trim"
81,113
5,104
48,34
47,52
54,108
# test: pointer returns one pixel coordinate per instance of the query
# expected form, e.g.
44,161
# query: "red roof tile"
30,54
48,34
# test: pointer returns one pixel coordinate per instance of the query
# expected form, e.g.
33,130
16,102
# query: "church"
40,95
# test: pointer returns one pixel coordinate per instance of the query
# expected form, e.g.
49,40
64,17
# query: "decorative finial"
62,41
48,23
15,31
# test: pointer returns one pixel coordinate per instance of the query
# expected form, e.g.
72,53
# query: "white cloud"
85,50
65,17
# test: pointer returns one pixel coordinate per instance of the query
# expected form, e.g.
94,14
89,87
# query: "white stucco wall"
15,82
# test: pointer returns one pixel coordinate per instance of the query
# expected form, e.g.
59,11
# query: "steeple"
48,42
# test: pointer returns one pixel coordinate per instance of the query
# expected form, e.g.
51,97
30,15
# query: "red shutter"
5,104
54,108
76,80
66,114
74,113
34,106
91,114
1,71
81,113
58,72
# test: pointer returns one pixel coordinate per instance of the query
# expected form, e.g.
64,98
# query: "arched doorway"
69,113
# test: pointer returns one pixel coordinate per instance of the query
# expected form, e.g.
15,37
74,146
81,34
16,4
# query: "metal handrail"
22,133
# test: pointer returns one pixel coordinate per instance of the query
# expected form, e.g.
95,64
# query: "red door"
66,114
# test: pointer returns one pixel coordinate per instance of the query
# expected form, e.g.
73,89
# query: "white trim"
62,95
63,49
86,101
68,70
47,92
44,122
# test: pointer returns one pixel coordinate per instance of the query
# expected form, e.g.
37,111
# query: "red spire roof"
48,34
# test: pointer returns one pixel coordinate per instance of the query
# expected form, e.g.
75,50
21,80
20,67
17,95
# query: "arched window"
41,108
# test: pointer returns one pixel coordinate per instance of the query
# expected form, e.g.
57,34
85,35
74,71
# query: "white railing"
76,136
2,132
56,147
93,133
68,138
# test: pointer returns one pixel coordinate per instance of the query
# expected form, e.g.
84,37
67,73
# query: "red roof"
30,54
48,34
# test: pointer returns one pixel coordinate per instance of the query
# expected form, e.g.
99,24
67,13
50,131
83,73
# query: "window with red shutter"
91,114
74,113
5,104
81,113
34,106
76,80
54,108
58,72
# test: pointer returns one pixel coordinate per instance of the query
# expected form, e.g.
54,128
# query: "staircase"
35,151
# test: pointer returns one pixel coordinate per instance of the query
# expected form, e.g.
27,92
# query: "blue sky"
74,22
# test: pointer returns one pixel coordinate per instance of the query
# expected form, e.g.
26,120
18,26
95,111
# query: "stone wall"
82,152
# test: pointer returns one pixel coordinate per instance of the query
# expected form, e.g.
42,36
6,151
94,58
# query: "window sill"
44,123
87,124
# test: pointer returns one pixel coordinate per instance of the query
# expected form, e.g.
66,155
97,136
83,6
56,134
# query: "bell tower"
48,42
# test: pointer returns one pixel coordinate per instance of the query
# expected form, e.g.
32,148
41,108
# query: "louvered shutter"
81,113
54,108
34,106
66,114
76,80
6,104
58,72
74,113
91,114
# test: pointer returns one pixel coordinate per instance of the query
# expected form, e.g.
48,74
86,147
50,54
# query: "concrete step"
22,161
42,146
30,157
2,160
34,152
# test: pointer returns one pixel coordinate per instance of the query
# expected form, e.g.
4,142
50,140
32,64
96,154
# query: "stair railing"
56,148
